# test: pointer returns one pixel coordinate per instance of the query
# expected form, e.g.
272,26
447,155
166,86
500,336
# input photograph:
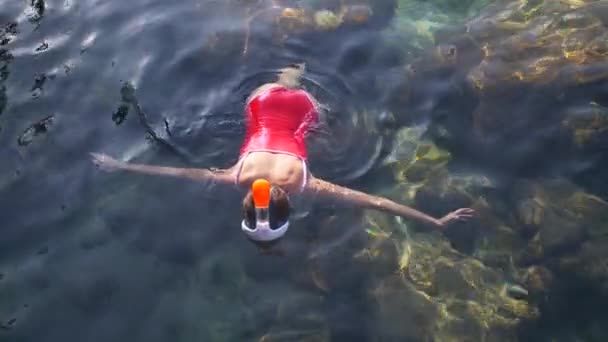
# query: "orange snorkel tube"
261,193
261,199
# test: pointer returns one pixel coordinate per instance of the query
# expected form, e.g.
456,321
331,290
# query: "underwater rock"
7,33
448,295
381,254
524,77
455,9
4,73
37,128
326,20
563,214
35,12
42,47
92,295
421,167
3,99
298,20
9,324
356,14
401,312
587,125
589,264
592,210
521,89
299,317
324,17
406,141
533,252
5,56
120,115
295,335
497,245
94,240
560,232
439,196
415,160
538,280
127,92
338,253
570,242
531,214
223,47
39,82
301,310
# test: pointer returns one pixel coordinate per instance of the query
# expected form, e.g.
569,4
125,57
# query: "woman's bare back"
283,170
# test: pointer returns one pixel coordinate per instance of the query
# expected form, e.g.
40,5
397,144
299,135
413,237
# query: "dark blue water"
93,256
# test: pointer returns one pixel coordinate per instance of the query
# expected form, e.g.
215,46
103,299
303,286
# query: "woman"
273,164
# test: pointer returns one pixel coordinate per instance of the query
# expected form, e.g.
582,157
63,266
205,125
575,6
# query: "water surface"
92,256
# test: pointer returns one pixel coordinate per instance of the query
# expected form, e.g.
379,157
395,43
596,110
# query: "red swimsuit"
278,120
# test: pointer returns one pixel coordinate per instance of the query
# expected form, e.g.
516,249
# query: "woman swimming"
272,164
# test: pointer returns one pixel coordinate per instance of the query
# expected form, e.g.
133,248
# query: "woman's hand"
461,215
106,162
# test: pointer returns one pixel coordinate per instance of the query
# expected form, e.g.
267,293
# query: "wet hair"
278,212
290,77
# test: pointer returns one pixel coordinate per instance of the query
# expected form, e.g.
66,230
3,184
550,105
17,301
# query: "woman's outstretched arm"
361,199
108,163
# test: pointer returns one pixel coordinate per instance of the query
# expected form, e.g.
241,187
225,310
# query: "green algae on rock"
563,214
326,16
445,294
414,159
524,76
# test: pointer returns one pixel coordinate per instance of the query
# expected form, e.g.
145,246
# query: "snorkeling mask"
261,199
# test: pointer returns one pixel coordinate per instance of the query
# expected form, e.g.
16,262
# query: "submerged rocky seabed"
521,90
517,88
